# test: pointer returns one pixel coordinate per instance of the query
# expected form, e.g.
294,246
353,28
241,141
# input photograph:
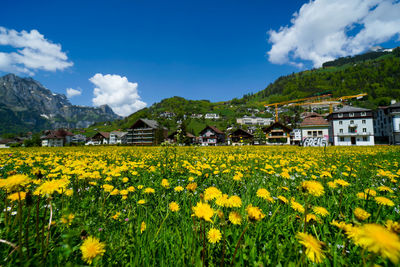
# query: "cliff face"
26,105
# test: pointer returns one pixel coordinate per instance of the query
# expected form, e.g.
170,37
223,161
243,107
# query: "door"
353,140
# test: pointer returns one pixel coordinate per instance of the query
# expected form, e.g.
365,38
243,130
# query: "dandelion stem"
238,244
158,231
20,226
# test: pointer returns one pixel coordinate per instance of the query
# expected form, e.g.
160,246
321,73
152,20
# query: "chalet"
56,138
253,120
146,132
211,136
387,124
277,134
212,116
118,137
240,137
351,126
100,138
188,138
314,130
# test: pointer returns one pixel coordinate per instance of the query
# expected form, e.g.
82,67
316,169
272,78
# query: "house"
277,134
167,114
295,137
212,116
211,136
117,137
253,120
56,138
314,130
240,137
78,138
146,132
5,143
387,124
188,138
100,138
351,126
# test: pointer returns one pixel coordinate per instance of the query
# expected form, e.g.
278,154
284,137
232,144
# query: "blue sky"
214,50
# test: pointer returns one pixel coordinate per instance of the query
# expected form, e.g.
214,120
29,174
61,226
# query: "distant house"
196,116
211,116
314,130
240,137
188,138
5,143
253,120
351,126
167,114
118,137
100,138
146,132
277,134
78,138
211,136
387,124
56,138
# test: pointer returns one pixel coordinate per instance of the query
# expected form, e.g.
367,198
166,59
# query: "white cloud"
73,92
117,92
33,52
323,30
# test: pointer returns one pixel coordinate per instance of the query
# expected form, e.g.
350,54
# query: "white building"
314,130
247,120
57,138
213,116
351,126
117,137
387,124
295,137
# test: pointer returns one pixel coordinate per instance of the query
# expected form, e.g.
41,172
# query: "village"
345,126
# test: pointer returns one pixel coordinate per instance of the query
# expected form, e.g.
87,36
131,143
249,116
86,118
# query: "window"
351,122
364,130
351,114
363,113
314,133
365,139
319,133
309,133
341,131
364,122
341,139
340,122
340,115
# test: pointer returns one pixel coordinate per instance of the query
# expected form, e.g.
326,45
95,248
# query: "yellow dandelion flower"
114,192
235,218
191,187
125,179
235,202
149,190
222,200
297,206
107,187
370,192
263,193
384,201
140,187
341,182
385,189
14,181
211,193
283,199
131,189
116,215
165,183
393,226
142,227
91,248
321,211
313,247
254,213
361,214
16,196
314,188
214,235
173,206
203,211
178,189
362,195
141,202
332,185
377,239
50,187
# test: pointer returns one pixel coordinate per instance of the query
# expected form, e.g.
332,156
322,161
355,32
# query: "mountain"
372,73
26,105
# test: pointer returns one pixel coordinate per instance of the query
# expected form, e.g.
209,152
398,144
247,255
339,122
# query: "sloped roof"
215,129
241,132
314,120
395,105
58,134
151,123
350,109
119,134
277,124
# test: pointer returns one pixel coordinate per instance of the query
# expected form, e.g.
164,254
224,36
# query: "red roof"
314,120
59,134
